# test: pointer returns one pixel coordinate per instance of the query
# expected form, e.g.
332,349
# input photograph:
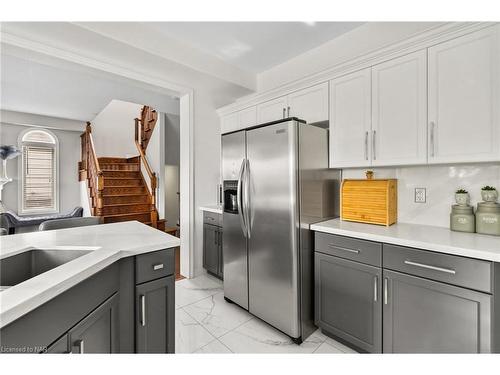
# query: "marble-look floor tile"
215,347
189,334
340,346
326,348
188,291
256,336
216,315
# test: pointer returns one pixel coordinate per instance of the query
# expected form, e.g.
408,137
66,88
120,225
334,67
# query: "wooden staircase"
116,186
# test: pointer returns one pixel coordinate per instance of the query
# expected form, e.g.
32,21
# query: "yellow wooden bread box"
370,201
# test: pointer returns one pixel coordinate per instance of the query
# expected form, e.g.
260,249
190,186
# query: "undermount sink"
21,267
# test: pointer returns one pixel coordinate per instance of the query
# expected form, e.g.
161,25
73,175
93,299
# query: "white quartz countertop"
425,237
215,208
108,242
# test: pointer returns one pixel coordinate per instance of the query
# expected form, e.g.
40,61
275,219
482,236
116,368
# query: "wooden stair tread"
128,214
126,195
125,204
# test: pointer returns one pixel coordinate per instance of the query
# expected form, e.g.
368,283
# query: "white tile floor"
206,323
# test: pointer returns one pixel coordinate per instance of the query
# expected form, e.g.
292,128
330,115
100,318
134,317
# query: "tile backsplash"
440,182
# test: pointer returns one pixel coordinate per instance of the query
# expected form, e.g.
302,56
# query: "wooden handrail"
151,174
94,174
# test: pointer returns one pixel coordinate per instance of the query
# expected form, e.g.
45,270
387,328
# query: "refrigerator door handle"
246,198
239,197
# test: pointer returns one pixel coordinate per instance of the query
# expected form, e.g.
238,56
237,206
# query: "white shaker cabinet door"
310,104
350,120
464,101
230,122
272,110
399,111
248,117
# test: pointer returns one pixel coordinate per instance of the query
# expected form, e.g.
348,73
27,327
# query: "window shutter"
39,178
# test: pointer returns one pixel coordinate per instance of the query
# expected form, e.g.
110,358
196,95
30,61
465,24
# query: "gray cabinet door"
211,248
155,311
348,301
423,316
61,346
220,271
98,332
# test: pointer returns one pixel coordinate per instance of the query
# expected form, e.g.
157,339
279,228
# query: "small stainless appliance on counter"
276,182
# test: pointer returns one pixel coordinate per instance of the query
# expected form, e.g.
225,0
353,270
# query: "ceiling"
53,88
253,46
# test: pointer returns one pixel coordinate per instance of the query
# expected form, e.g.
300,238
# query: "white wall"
113,129
69,155
207,148
441,181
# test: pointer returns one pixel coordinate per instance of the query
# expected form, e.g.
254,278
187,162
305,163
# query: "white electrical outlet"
420,195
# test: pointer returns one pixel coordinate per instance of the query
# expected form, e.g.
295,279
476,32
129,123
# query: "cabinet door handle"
375,289
343,248
284,112
143,310
386,293
288,111
366,145
80,344
216,237
429,267
432,147
374,153
157,267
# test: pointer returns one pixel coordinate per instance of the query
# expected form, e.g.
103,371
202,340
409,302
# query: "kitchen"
340,200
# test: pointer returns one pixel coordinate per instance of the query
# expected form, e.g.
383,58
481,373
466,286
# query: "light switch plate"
420,195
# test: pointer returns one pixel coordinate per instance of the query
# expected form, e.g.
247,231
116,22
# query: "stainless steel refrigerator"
276,182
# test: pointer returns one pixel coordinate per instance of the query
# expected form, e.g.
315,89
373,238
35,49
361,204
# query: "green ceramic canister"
488,218
462,219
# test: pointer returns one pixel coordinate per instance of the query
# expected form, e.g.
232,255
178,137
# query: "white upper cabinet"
272,110
239,120
399,111
464,101
350,120
310,104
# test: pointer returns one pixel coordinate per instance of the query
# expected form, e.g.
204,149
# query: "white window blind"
39,181
39,172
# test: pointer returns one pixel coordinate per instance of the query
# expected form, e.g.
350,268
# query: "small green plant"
488,188
461,191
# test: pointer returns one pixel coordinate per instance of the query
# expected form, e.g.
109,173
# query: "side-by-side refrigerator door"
273,235
234,243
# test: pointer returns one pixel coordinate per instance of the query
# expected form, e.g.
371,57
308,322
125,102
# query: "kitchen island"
118,271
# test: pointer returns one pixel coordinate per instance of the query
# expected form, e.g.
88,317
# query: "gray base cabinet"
155,311
348,301
424,316
127,307
393,299
96,333
212,244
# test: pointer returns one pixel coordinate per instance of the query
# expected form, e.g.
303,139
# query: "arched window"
39,172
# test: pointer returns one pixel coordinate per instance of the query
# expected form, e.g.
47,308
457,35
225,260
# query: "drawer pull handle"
343,248
375,289
427,266
157,267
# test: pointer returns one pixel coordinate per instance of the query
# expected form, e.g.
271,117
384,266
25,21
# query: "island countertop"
442,240
107,242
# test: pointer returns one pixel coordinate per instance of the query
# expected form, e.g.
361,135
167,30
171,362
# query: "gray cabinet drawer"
451,269
349,248
154,265
212,218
